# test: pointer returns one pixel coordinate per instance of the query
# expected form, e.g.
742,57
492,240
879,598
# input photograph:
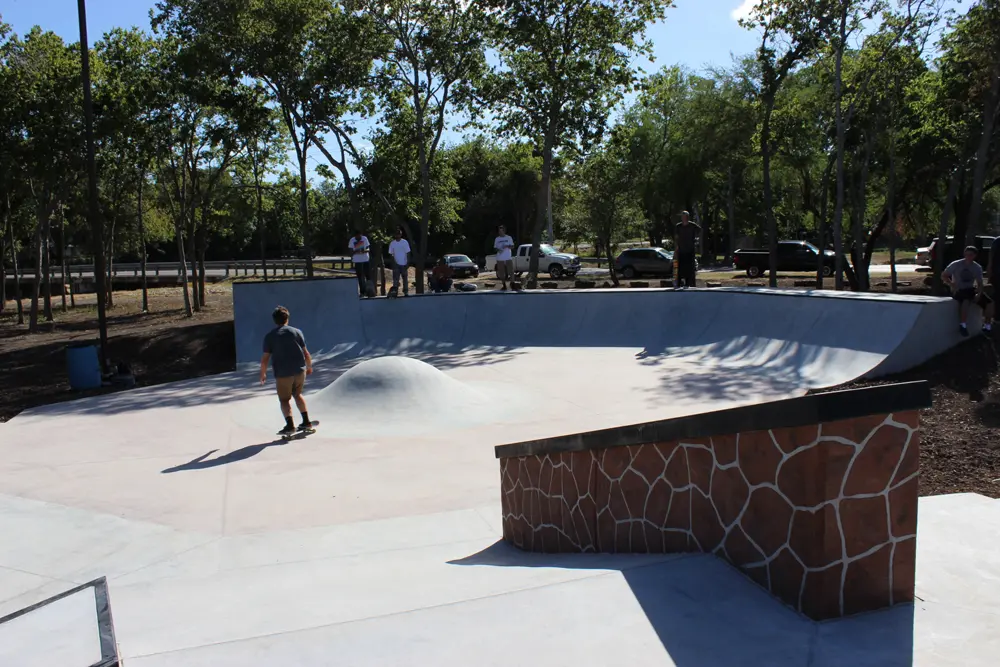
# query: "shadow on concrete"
706,613
235,456
227,388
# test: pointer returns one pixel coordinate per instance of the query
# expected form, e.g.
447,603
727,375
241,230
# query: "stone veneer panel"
824,516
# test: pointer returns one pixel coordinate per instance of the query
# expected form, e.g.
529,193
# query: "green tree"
565,65
434,64
791,31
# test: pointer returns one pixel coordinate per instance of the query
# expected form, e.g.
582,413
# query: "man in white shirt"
399,249
504,246
359,246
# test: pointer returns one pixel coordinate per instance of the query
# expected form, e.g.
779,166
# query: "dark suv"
636,262
982,244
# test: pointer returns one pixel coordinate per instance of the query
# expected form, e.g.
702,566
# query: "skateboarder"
285,349
504,246
965,278
686,236
358,246
399,248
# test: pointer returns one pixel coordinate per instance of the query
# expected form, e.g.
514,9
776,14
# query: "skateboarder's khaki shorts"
505,269
290,386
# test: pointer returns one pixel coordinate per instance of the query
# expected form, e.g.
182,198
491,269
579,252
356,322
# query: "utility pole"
93,211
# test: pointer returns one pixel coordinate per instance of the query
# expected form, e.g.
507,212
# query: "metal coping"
105,623
788,413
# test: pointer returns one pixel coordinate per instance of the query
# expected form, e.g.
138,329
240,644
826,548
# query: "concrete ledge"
789,413
821,513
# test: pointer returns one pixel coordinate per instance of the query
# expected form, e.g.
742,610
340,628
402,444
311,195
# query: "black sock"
289,422
305,418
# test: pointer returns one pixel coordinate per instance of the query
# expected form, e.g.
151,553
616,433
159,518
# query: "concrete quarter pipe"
661,352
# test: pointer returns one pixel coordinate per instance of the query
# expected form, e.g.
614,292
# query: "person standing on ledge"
358,246
285,349
504,246
686,235
965,278
399,248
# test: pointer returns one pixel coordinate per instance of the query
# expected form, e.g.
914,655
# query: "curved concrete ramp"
673,352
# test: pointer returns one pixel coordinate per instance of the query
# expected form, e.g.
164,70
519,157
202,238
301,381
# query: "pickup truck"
556,264
793,256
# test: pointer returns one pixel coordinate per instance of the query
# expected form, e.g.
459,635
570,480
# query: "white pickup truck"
556,264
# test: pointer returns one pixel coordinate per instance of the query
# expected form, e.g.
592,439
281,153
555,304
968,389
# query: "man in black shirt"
285,349
686,236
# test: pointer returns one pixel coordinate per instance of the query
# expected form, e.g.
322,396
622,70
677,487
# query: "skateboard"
298,435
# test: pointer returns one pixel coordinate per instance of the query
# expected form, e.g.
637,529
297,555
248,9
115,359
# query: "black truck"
793,257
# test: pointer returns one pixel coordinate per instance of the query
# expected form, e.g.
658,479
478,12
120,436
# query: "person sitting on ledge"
441,277
965,278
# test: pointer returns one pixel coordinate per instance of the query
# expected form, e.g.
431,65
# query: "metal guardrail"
230,268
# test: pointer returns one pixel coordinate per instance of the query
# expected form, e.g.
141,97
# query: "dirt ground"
160,346
960,442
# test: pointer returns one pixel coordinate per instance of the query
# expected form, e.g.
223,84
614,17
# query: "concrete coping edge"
788,413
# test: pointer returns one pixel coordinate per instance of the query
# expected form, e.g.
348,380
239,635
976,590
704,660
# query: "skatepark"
380,540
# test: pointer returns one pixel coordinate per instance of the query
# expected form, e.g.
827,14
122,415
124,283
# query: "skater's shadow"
241,454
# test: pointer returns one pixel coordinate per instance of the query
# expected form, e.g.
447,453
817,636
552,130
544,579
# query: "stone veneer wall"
822,516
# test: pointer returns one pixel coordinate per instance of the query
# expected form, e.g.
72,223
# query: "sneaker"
288,430
305,426
964,330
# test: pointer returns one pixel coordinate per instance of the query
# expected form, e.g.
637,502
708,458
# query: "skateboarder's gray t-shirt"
286,345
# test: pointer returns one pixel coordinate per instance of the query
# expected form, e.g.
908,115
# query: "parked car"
982,244
923,256
551,261
462,266
798,256
636,262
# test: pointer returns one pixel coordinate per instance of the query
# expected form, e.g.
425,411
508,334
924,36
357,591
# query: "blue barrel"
84,367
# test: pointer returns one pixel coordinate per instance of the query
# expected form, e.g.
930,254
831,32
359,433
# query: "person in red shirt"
441,276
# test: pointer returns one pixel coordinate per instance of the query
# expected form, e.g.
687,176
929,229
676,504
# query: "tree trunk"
611,263
36,288
939,259
63,263
142,242
17,272
201,243
304,208
731,213
890,204
47,268
982,155
821,241
540,211
548,213
110,301
192,253
182,260
377,247
838,110
3,259
772,222
862,259
425,198
260,216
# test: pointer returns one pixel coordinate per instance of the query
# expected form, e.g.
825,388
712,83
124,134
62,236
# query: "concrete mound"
398,395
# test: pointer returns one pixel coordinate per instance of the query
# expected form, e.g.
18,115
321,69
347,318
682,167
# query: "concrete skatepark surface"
224,546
